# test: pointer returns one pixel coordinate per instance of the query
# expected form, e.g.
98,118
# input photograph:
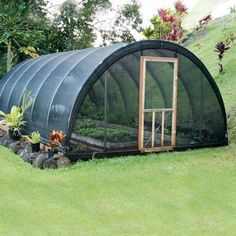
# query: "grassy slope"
227,81
189,193
186,193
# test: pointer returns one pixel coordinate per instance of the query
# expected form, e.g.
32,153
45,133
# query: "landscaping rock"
63,162
39,160
50,163
30,157
15,146
23,152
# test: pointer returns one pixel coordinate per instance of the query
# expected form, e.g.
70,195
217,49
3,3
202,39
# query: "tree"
78,25
127,20
21,30
73,27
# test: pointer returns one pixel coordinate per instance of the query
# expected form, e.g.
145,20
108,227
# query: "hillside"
202,43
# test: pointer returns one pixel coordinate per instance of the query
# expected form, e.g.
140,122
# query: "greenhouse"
147,96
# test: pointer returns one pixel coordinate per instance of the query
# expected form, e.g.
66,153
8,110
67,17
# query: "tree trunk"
9,55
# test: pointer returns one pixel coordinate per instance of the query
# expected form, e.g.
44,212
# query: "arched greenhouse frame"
147,96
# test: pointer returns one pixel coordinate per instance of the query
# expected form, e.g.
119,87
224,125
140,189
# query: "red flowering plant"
221,48
55,139
167,24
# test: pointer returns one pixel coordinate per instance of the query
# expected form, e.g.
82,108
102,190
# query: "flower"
55,139
180,7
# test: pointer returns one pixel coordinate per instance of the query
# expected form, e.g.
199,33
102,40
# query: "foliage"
14,119
229,38
29,51
167,24
221,48
72,27
35,137
55,139
99,132
22,24
204,21
28,30
27,100
126,21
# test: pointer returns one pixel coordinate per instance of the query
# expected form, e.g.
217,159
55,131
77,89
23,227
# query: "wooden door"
157,121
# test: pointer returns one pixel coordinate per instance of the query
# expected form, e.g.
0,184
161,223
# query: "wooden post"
175,91
153,128
141,102
162,129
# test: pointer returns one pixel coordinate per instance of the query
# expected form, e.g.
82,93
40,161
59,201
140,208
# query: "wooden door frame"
142,84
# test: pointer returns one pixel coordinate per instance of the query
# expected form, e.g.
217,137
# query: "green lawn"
184,193
180,193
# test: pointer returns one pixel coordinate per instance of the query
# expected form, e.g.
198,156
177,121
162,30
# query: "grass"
216,31
184,193
180,193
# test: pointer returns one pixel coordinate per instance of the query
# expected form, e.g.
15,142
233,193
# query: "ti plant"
55,139
221,48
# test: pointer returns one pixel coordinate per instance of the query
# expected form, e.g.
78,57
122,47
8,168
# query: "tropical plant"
14,119
221,48
35,137
55,139
27,100
167,24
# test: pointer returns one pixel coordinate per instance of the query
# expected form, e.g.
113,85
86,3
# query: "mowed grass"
180,193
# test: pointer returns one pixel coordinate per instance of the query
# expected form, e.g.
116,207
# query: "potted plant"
35,141
55,140
13,121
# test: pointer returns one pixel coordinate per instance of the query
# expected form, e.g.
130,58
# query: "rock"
50,163
63,162
1,140
15,146
30,157
6,142
28,147
23,152
39,160
58,156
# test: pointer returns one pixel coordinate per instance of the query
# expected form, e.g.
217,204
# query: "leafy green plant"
35,137
99,132
14,119
27,100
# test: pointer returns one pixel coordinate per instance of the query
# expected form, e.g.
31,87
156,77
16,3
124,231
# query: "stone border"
39,159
